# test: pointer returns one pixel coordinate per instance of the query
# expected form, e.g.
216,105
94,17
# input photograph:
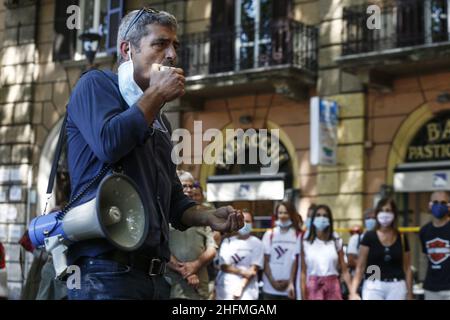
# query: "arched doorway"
419,163
243,186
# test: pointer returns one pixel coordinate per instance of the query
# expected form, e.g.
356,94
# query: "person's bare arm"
228,268
291,286
344,269
360,267
268,271
303,278
408,274
352,260
248,275
192,267
174,264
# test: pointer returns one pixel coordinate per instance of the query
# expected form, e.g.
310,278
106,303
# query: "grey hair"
139,29
185,175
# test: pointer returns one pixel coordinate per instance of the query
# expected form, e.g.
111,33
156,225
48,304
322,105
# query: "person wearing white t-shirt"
240,259
322,256
279,250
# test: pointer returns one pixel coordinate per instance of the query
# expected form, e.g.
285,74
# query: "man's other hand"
226,219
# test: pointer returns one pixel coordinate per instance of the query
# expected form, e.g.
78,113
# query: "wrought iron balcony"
413,36
285,46
404,24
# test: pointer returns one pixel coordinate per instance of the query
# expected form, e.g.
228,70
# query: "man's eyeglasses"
137,16
188,186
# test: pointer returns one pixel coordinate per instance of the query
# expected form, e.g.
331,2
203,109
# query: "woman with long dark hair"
279,248
385,252
322,259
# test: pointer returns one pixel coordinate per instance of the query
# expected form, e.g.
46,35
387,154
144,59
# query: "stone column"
341,186
18,62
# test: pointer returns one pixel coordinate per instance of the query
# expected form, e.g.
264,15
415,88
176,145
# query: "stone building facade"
387,90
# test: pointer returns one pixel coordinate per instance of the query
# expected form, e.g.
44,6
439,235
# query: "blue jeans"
109,280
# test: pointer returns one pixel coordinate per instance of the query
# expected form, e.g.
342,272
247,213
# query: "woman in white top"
240,258
322,258
279,248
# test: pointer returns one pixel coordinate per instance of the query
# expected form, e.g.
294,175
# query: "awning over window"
248,187
422,177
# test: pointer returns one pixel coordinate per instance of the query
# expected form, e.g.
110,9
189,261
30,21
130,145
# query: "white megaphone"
117,213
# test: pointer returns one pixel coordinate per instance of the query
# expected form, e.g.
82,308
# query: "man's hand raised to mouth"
166,84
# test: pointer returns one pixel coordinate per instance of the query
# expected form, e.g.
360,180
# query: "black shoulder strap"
58,151
59,146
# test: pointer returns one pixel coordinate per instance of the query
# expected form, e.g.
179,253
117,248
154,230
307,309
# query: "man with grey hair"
192,250
435,239
115,121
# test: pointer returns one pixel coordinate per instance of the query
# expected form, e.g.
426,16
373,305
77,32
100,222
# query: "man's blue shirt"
102,129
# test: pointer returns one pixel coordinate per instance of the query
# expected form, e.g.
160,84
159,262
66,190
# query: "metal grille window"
403,23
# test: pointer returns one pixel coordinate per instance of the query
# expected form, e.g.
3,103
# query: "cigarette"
162,68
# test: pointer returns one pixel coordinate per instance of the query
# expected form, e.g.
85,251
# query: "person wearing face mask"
355,240
322,259
311,209
279,250
240,259
388,250
114,121
435,240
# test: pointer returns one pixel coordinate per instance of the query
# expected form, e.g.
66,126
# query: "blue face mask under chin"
284,224
246,229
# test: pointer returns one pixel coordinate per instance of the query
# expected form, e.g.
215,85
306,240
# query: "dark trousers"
268,296
108,280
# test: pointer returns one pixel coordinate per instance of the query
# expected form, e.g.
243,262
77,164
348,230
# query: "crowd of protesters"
309,261
293,260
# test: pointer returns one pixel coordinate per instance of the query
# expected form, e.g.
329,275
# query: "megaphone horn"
117,213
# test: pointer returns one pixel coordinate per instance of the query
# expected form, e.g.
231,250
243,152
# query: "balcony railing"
404,23
275,43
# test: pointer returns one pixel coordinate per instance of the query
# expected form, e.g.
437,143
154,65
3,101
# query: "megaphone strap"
72,201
